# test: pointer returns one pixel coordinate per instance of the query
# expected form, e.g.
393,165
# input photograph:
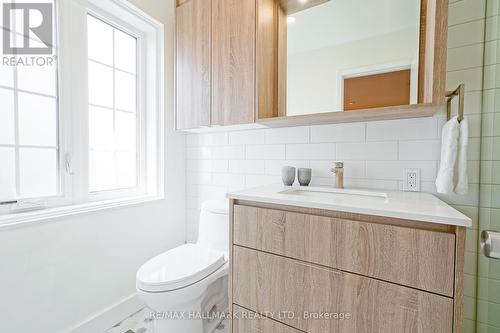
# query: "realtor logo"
33,24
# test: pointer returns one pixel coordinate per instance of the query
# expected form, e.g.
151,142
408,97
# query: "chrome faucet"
338,171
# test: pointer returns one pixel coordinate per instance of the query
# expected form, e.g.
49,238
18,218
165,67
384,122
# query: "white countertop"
416,206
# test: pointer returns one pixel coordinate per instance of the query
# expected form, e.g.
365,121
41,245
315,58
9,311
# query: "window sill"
15,220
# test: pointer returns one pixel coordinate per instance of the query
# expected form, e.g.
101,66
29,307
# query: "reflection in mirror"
345,55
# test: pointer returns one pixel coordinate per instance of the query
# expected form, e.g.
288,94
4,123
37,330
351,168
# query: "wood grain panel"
282,62
433,51
233,61
251,322
267,59
412,257
459,279
267,283
193,64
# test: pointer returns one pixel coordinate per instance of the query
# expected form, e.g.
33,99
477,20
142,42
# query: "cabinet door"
233,62
325,300
193,64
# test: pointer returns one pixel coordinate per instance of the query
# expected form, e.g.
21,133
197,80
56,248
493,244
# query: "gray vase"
288,175
304,176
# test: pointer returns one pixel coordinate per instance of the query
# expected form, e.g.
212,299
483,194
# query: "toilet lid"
178,268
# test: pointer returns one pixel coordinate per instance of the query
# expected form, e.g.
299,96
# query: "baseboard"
109,316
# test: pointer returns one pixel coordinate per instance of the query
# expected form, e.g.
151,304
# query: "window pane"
6,75
38,172
126,132
126,173
125,91
40,79
100,128
125,51
37,120
6,116
7,174
102,171
100,40
100,85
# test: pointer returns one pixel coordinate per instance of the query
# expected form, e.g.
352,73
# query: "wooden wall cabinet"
388,275
226,62
193,72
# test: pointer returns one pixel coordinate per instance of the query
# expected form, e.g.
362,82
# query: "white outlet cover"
411,180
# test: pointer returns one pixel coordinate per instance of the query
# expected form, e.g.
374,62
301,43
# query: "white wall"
56,274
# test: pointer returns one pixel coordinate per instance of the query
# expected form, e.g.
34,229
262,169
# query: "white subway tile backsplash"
265,152
246,137
391,185
199,165
338,133
394,170
405,129
228,179
310,151
255,167
198,153
228,152
384,151
220,165
420,150
198,178
208,139
259,180
287,135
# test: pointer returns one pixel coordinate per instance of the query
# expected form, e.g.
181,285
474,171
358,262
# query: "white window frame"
71,18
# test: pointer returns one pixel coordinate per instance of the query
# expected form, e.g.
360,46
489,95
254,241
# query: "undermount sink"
331,192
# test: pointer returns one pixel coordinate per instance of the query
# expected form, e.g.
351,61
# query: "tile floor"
140,322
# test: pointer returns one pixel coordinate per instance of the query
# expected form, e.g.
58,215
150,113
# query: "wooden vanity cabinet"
388,275
226,62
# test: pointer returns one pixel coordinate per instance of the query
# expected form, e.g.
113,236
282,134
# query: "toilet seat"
178,268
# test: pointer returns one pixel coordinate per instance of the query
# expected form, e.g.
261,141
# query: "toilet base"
201,315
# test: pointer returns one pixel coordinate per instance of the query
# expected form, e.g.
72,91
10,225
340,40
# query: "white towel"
462,181
449,150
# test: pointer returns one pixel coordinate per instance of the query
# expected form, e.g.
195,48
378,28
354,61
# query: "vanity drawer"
416,258
249,322
267,283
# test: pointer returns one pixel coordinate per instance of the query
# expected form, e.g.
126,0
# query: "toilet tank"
214,225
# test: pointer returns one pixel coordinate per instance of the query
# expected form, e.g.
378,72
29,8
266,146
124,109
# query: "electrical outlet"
411,180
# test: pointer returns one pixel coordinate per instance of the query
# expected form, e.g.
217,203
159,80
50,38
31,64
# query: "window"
112,83
29,140
89,128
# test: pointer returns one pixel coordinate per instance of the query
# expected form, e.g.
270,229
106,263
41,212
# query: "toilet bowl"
186,287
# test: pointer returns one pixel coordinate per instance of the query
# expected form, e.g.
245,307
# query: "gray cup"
288,175
304,176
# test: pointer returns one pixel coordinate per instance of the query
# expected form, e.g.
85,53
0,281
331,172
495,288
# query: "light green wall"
488,287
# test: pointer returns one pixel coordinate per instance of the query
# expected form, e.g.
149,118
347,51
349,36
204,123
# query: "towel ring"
449,97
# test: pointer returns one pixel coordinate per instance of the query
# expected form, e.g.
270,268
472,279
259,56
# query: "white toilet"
186,287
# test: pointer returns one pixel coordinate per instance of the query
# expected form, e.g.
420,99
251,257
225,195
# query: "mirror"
348,55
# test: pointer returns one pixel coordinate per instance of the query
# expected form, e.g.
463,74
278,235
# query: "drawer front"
267,283
412,257
249,322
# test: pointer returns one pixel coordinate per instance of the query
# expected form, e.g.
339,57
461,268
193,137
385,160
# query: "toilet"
186,287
